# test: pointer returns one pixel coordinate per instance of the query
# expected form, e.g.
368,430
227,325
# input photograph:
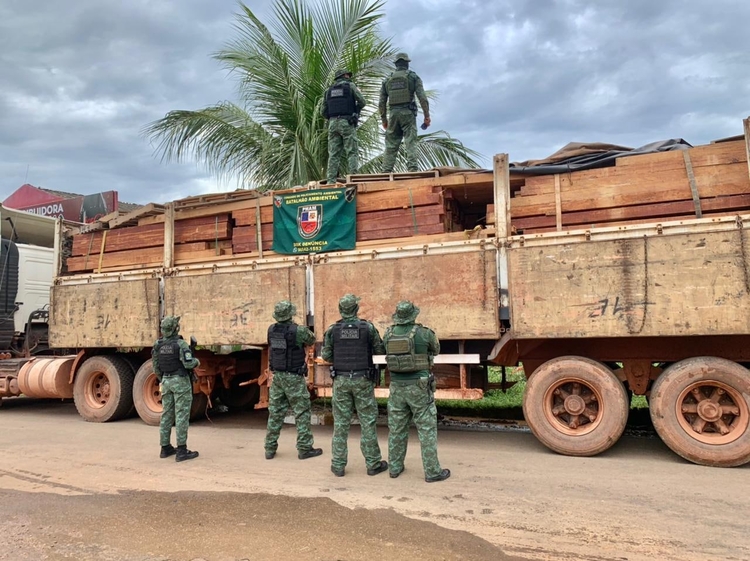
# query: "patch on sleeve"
188,355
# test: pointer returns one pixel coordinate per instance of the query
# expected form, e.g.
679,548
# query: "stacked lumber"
221,226
143,246
381,215
704,181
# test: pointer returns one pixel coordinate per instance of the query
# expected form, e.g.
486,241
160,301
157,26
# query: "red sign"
84,208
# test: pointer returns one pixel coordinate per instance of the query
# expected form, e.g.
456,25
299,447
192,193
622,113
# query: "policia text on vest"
353,357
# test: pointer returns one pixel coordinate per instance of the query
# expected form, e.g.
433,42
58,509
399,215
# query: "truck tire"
103,389
575,406
700,407
198,407
146,394
147,398
134,363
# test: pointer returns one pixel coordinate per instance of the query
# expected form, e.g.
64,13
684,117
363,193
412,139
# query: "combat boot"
311,453
338,472
380,469
167,451
184,454
442,476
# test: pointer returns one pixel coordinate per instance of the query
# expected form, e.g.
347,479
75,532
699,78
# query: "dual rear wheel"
700,407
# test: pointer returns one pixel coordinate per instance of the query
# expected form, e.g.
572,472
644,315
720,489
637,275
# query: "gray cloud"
79,80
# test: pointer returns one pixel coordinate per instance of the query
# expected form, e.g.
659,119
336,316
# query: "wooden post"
58,245
462,366
258,232
501,176
169,235
693,184
558,203
502,196
746,122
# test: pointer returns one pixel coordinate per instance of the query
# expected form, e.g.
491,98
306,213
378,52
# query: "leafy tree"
275,137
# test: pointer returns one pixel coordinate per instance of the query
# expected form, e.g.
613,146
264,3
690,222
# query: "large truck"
594,312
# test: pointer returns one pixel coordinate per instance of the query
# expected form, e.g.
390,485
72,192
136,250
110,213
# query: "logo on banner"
309,220
278,201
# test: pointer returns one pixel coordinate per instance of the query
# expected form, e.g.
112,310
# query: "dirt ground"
71,490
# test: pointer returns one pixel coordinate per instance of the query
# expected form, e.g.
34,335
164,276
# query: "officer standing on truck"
342,105
288,361
349,344
398,113
410,348
174,362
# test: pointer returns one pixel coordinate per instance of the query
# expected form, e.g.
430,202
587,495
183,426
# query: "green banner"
315,221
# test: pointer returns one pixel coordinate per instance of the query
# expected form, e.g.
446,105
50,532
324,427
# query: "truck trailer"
627,277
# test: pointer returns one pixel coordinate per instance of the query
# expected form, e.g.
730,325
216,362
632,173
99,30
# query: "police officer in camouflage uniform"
398,112
288,362
342,104
410,348
173,364
349,344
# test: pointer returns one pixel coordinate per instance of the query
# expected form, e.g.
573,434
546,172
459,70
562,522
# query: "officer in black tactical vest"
288,362
349,344
398,113
342,104
173,363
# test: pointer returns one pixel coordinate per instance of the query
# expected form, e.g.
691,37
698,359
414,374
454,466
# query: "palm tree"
275,137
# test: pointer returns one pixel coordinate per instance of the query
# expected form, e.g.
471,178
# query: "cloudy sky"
78,80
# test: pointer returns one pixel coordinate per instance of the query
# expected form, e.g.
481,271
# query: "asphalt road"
76,490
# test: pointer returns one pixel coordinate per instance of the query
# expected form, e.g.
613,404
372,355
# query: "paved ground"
76,490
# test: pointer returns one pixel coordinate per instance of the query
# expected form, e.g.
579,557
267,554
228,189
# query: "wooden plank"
111,314
558,204
233,308
146,256
395,199
468,313
746,127
503,203
120,239
624,215
711,181
401,232
169,251
247,216
151,209
643,287
693,184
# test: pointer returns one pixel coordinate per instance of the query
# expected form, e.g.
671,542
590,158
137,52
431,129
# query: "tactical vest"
340,100
168,351
402,354
351,346
284,353
398,88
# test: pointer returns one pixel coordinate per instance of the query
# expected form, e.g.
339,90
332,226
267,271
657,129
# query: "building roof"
122,206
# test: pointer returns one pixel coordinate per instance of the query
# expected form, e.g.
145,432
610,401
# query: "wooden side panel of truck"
692,282
105,314
456,291
233,308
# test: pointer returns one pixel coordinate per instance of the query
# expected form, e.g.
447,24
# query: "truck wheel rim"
573,406
151,394
712,412
98,390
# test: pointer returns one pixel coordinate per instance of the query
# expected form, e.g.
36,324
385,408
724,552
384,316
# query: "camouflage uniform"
176,390
342,135
289,389
354,393
401,119
412,397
